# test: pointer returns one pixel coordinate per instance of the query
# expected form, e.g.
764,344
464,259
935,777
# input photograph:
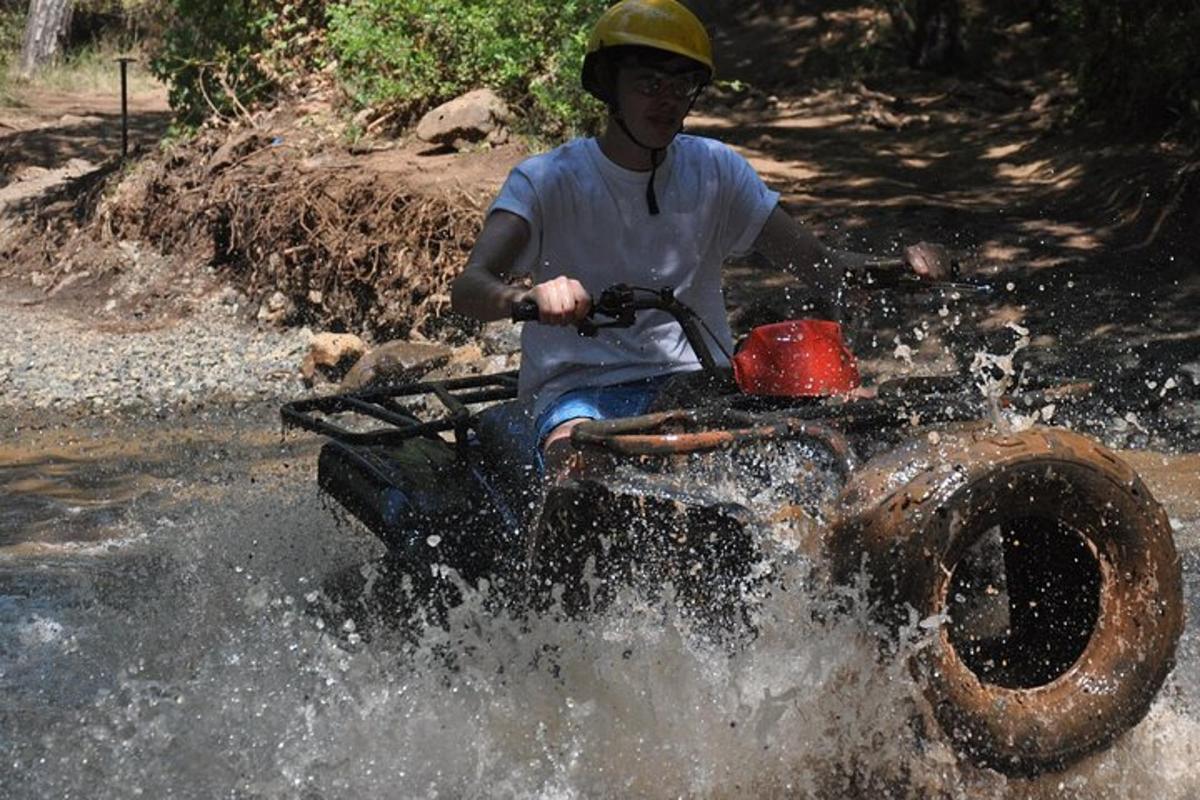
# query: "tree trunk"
931,31
45,31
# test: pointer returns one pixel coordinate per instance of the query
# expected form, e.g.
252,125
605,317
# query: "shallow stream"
176,620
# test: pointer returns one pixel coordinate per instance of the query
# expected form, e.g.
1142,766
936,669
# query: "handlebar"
619,302
525,311
618,306
893,273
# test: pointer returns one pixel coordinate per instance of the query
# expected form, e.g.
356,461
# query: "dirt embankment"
310,228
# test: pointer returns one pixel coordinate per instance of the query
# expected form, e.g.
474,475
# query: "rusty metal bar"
646,436
124,62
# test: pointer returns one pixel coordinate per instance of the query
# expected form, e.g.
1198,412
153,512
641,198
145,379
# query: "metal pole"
124,108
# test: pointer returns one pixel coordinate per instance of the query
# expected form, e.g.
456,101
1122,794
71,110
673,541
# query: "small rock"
331,354
496,363
276,309
501,336
395,362
80,165
473,117
75,119
29,173
467,354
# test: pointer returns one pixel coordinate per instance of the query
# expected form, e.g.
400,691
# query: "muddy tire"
1053,571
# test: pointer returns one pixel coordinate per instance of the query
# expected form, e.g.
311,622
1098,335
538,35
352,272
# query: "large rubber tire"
915,515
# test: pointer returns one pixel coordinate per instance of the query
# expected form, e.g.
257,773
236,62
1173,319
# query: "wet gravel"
54,363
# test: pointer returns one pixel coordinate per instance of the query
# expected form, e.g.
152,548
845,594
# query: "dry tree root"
352,252
351,249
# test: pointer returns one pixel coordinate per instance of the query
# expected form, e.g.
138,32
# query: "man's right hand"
930,261
560,301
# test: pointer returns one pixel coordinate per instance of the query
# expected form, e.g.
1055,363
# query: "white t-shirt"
589,220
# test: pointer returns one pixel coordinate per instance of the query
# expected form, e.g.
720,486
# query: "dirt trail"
49,139
1083,254
45,130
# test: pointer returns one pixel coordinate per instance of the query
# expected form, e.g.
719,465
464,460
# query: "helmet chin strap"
651,198
655,152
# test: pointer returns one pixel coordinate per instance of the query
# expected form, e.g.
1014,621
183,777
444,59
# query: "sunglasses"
658,84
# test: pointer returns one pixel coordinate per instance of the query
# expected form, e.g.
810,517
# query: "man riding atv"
642,204
1044,569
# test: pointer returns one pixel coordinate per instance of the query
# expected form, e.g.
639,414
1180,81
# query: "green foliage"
12,22
1138,62
12,26
405,55
220,57
207,55
412,54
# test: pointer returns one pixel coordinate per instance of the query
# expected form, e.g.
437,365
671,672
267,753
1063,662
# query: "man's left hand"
930,261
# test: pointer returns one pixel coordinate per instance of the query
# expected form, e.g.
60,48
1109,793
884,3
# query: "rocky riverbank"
51,362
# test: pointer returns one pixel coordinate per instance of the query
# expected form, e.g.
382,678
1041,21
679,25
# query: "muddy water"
175,621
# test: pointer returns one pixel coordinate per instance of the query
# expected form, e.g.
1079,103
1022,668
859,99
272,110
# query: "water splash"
210,658
995,376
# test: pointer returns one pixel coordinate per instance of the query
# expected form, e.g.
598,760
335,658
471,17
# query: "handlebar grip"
525,311
900,266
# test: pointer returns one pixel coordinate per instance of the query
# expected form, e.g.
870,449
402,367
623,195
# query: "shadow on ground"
94,138
1087,241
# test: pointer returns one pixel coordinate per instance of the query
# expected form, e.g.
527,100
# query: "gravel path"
52,362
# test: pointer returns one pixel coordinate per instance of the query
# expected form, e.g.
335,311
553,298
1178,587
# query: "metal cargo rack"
456,395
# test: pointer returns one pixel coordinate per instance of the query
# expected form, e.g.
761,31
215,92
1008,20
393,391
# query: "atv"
1051,569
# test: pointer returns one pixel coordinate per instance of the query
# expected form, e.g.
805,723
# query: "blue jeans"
599,402
525,435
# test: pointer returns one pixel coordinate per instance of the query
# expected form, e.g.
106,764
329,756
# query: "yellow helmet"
658,24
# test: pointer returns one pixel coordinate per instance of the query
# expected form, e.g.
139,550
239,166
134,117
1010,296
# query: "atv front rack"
456,395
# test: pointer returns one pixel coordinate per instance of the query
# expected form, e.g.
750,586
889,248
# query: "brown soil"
45,129
1087,240
353,238
359,237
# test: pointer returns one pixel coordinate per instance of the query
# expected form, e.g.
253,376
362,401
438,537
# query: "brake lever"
893,274
616,303
589,326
